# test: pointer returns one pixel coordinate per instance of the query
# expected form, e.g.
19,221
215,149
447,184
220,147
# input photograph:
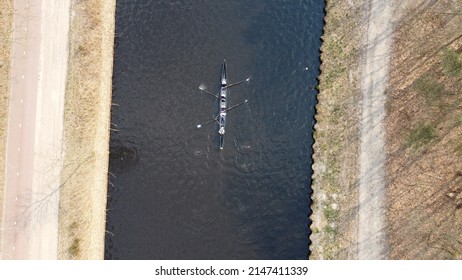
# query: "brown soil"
87,123
424,128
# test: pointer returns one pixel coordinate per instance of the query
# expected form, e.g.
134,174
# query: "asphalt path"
35,129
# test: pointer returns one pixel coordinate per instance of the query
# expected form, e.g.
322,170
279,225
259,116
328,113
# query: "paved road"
372,242
35,129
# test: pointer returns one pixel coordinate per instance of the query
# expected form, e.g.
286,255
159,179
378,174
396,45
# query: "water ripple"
174,194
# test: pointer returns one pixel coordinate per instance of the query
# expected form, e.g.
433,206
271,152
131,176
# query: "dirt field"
424,128
6,25
87,123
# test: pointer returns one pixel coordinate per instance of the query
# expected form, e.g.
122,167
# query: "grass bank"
336,135
6,30
83,194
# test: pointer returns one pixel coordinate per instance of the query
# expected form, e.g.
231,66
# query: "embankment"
337,133
87,124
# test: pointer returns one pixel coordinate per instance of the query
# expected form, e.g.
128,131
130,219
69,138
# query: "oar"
203,88
200,125
238,83
239,104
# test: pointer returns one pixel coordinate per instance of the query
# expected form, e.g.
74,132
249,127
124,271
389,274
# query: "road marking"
19,149
14,223
22,76
20,125
24,52
25,28
14,248
16,198
17,173
21,100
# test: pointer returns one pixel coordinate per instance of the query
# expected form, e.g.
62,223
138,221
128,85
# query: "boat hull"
223,105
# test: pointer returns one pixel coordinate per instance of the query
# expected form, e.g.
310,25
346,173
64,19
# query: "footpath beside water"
63,214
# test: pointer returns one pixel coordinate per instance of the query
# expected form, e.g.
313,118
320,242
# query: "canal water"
173,194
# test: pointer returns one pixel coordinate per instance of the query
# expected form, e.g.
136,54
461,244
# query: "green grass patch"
316,230
330,230
430,88
330,213
335,114
420,135
331,76
451,62
335,47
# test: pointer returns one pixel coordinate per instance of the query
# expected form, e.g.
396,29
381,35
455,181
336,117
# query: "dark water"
173,194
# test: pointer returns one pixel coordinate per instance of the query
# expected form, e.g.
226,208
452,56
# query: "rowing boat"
223,102
223,105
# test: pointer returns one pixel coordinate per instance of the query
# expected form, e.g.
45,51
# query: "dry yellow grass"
6,28
87,123
424,128
336,135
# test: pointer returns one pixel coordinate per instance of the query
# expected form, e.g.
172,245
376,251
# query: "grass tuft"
74,250
451,62
420,135
330,213
430,88
330,230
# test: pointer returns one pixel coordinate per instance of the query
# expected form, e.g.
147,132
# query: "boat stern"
222,141
224,75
